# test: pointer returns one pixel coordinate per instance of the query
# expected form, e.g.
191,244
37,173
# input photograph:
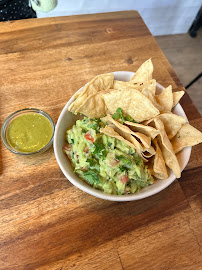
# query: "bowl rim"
14,115
98,193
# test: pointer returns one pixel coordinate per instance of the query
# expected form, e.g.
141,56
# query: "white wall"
162,17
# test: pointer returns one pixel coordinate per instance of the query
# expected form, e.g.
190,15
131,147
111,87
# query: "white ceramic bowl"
67,119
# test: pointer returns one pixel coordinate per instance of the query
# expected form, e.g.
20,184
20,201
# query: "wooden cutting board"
46,222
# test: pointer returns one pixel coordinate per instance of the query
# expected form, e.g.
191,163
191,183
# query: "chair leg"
196,24
194,80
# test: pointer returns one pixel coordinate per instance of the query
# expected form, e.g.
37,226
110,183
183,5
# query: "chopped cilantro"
137,160
97,168
93,164
116,115
125,160
119,157
119,110
90,161
123,168
129,118
91,177
100,151
93,126
119,115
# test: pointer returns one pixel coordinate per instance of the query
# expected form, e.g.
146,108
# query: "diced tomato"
83,169
87,183
114,162
124,179
67,148
86,149
89,137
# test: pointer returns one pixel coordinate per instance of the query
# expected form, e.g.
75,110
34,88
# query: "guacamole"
104,162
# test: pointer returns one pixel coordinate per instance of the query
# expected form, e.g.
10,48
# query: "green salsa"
29,132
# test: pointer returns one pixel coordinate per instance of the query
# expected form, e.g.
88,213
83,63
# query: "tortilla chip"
148,152
146,130
144,72
186,136
165,99
131,139
121,85
93,106
177,96
172,123
159,166
145,140
125,132
167,149
149,85
132,102
112,133
98,83
77,94
147,94
149,122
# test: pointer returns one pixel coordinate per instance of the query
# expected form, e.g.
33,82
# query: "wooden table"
46,222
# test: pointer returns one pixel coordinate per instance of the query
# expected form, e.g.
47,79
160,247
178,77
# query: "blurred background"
176,25
169,21
163,17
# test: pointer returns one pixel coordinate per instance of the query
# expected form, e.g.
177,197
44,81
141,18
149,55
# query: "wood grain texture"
46,222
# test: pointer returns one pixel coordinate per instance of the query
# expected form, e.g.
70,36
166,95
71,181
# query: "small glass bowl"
14,115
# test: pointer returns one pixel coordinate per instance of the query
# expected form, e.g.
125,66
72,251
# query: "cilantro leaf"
93,164
90,161
120,111
129,118
91,177
119,115
116,116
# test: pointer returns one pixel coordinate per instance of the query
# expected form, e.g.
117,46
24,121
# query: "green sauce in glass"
29,132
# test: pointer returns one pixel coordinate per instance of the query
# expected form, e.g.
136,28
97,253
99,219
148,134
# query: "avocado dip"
104,162
29,132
